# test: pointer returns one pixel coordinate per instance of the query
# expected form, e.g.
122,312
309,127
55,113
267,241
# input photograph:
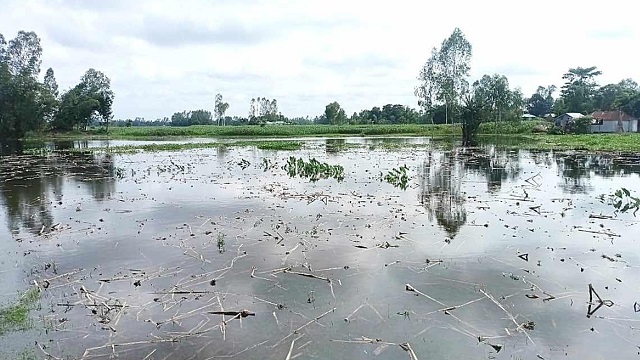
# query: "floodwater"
487,254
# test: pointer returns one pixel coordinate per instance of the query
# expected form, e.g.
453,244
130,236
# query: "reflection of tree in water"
577,169
542,157
335,145
29,185
495,165
440,194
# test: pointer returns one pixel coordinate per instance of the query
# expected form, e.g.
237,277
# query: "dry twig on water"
303,326
406,347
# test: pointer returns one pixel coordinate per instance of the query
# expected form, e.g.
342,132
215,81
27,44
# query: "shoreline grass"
510,134
16,317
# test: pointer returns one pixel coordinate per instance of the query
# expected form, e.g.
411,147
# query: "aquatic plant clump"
16,316
397,177
622,201
313,169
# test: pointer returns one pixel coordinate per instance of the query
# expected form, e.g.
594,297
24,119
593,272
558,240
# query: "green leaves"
397,177
622,201
444,76
313,169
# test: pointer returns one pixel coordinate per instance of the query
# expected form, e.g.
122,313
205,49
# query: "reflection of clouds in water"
218,196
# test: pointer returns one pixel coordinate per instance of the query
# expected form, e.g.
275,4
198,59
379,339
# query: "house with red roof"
613,122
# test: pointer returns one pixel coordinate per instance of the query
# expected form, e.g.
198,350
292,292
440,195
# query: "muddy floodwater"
219,253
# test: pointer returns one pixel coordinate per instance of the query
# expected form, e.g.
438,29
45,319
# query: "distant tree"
181,118
578,92
23,54
92,96
444,76
201,117
621,96
262,110
335,114
50,82
541,102
220,108
474,112
495,93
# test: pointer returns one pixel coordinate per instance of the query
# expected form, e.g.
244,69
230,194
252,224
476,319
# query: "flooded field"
370,253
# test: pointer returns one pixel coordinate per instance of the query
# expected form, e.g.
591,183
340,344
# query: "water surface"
488,253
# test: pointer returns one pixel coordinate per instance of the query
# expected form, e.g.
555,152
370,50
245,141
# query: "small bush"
555,130
579,126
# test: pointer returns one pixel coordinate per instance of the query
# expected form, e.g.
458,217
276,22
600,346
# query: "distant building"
563,119
613,121
528,117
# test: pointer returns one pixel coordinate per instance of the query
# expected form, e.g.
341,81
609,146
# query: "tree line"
28,104
581,93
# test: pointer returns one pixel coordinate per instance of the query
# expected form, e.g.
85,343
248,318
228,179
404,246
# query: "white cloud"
164,56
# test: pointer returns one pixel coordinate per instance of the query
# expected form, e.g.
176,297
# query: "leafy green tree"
578,92
75,110
444,76
181,119
262,110
624,96
335,114
91,97
541,103
220,107
50,82
23,54
23,101
474,112
495,92
201,117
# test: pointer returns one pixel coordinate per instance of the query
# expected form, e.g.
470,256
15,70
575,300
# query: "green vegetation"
589,142
279,145
220,242
397,177
16,317
26,104
622,201
313,169
278,130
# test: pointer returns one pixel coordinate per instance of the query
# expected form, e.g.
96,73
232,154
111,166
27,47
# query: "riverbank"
520,135
206,131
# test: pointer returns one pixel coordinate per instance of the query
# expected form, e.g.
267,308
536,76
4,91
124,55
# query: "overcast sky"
168,56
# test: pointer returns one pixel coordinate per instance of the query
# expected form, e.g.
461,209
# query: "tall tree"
444,76
23,54
50,82
92,96
496,94
335,114
22,103
541,102
220,107
578,91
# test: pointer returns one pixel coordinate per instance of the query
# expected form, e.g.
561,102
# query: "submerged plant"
397,177
622,201
221,243
267,164
313,169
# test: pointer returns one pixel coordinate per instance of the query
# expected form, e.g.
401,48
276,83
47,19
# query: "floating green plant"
397,177
313,169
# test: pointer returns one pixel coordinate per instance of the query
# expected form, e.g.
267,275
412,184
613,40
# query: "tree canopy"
26,104
443,78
